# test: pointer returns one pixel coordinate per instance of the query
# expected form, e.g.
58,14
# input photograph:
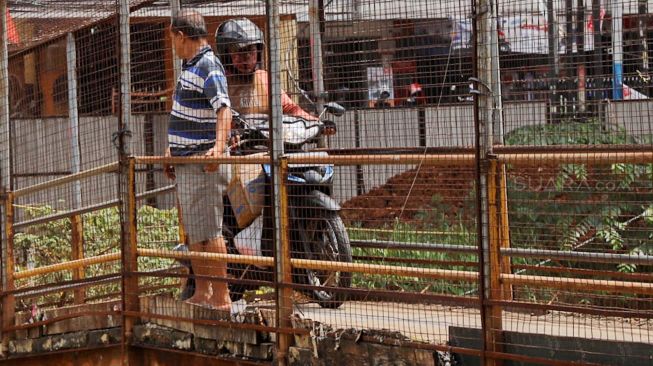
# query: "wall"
42,147
635,117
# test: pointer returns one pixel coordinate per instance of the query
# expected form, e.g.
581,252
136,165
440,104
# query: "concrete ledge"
155,335
66,341
326,346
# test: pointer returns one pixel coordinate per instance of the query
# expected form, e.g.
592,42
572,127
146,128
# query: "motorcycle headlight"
327,173
313,176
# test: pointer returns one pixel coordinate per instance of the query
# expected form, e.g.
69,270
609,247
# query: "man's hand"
329,128
234,141
213,153
169,170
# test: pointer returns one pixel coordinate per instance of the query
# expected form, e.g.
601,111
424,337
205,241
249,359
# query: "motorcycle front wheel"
324,237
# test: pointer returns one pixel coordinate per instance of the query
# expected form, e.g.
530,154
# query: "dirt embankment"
449,191
407,199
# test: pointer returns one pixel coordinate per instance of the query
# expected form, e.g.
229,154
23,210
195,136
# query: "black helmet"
240,32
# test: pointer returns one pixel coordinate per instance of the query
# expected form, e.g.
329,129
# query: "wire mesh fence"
312,181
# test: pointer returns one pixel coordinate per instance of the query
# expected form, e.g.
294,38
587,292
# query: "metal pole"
125,76
356,9
485,73
505,261
317,66
642,23
284,302
175,7
570,37
126,181
497,108
554,59
617,49
486,48
581,58
71,62
5,132
5,158
77,231
597,69
554,42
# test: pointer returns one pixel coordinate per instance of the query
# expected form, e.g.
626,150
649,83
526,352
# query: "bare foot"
211,299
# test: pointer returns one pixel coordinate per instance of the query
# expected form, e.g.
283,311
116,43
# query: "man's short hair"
190,23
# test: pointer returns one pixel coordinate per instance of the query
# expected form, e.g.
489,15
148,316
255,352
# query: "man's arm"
292,109
289,107
222,129
217,92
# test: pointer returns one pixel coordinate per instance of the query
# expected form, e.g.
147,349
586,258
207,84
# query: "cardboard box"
246,196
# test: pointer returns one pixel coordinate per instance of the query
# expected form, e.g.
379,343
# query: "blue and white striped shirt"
201,91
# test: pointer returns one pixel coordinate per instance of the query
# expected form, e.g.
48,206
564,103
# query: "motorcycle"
316,229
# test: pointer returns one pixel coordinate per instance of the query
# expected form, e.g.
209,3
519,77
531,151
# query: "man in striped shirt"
200,122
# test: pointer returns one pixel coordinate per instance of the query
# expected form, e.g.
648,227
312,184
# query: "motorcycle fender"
317,199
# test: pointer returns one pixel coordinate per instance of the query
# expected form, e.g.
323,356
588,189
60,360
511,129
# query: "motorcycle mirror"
334,109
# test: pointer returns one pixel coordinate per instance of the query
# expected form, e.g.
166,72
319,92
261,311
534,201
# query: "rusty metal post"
77,233
130,300
506,265
284,268
279,170
8,300
495,229
182,232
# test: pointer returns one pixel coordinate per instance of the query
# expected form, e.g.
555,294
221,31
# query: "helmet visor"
237,48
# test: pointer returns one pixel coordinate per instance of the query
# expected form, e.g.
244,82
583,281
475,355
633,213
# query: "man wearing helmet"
239,44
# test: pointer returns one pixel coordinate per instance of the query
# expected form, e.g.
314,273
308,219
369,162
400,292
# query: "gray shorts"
200,199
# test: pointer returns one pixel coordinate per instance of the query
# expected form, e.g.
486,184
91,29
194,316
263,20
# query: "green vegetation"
436,228
569,133
50,243
582,206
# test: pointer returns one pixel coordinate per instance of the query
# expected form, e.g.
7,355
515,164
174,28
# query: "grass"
404,233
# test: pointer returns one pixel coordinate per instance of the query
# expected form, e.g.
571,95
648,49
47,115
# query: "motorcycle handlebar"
249,122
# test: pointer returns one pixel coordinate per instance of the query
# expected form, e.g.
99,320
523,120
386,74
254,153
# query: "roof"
55,18
76,14
21,9
335,10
